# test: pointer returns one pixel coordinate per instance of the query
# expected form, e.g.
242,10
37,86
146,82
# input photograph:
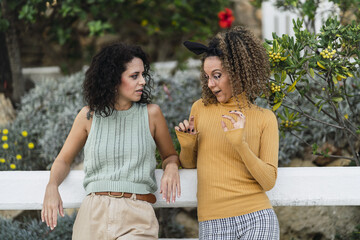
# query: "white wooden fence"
280,22
302,186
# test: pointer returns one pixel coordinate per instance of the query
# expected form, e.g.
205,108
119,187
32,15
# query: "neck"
121,106
232,102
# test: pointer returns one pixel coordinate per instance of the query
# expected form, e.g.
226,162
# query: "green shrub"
34,229
315,88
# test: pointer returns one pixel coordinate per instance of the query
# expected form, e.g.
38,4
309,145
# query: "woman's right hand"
187,126
51,206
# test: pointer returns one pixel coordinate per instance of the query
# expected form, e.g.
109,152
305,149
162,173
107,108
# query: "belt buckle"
115,196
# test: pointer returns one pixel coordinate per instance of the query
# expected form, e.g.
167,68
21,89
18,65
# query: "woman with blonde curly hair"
232,142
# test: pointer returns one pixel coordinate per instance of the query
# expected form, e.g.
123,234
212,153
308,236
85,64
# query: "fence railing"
301,186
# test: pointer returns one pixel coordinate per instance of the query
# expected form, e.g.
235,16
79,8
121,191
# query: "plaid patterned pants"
262,225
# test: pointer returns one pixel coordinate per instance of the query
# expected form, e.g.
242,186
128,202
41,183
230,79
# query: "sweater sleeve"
188,143
264,167
188,151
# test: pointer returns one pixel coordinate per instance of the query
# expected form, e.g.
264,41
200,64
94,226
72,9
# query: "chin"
222,100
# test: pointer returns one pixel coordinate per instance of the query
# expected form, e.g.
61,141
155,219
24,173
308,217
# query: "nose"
142,80
211,83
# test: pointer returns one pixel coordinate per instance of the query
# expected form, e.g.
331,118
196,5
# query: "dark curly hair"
104,75
244,58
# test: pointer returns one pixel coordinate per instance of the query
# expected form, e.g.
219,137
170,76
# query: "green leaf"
283,76
337,99
334,80
321,107
276,106
292,87
281,116
315,148
312,74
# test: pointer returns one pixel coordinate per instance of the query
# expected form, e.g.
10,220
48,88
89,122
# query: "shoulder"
198,104
268,117
85,113
154,111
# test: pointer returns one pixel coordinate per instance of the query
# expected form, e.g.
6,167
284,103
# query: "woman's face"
132,82
218,79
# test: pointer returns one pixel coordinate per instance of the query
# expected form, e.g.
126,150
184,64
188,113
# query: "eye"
217,76
206,76
134,76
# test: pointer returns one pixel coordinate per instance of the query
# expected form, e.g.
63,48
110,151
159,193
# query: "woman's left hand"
238,123
170,182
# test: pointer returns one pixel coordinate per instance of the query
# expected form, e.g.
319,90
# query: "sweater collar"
232,103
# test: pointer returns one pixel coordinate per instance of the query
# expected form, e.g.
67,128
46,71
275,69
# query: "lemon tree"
316,79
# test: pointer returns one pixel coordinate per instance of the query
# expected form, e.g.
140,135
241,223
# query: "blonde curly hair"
245,60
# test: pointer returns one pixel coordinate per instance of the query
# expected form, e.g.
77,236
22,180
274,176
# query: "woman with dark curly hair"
236,160
119,130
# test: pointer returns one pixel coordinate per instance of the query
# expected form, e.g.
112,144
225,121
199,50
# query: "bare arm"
61,167
170,181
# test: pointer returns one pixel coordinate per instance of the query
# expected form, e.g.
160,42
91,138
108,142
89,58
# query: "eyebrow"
216,70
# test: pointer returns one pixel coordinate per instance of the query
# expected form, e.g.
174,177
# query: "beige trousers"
108,218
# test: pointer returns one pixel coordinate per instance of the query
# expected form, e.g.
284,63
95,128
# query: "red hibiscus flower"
225,18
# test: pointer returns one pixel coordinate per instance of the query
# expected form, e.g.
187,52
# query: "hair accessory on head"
199,48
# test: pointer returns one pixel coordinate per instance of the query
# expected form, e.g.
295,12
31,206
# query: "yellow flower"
5,131
2,160
18,157
12,166
31,145
144,22
4,138
5,146
24,133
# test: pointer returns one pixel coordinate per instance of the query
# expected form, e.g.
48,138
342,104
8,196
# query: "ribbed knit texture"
234,168
119,154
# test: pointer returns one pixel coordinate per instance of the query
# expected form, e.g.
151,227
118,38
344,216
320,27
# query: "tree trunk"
18,83
5,72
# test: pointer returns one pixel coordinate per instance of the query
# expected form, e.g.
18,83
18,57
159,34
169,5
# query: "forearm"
263,168
59,170
172,159
264,172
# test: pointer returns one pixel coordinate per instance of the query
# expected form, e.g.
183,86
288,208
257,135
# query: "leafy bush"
316,85
46,113
17,149
34,229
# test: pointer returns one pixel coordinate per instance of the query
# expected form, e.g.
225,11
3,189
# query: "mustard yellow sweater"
234,168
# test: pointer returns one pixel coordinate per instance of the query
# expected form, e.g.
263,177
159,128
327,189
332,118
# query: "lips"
217,92
139,90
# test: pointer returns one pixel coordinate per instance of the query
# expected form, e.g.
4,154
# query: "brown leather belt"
143,197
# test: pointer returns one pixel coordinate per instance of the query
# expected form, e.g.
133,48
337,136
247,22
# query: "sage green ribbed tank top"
119,154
